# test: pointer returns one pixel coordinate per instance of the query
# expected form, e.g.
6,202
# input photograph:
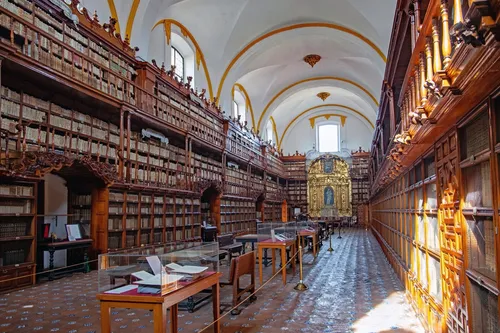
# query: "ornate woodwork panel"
451,235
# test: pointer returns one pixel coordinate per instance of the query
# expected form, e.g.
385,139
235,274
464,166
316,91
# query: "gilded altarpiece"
329,187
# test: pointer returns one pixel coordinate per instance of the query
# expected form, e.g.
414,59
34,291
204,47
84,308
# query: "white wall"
160,51
302,137
56,203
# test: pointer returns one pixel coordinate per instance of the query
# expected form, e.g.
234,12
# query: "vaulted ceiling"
260,44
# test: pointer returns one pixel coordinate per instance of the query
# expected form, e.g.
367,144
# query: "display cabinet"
156,270
277,231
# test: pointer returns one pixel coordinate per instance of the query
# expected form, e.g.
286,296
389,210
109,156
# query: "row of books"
16,190
13,257
14,229
16,206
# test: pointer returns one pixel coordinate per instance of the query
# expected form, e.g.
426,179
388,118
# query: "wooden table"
303,234
52,247
159,304
253,238
276,245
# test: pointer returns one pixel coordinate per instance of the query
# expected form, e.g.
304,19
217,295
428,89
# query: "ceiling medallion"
323,95
312,59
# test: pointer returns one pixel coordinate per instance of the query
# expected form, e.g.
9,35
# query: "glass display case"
157,270
308,226
277,231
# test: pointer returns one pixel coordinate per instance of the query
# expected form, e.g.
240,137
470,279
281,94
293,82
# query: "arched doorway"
210,211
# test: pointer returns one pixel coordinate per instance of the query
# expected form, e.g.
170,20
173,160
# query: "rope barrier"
252,294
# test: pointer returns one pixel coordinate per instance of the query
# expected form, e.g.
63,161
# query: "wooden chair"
241,266
226,243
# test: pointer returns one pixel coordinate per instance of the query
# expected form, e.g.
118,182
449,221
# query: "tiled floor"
352,289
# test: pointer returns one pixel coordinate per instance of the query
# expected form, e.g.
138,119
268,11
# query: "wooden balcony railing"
450,47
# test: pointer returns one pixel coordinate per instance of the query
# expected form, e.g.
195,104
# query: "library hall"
249,166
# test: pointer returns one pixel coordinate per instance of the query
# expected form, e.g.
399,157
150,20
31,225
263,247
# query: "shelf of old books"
272,211
236,181
41,36
17,233
52,127
156,270
237,215
478,204
404,215
141,218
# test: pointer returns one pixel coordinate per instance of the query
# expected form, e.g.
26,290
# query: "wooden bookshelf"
236,181
152,146
405,216
237,215
296,175
142,218
17,233
359,179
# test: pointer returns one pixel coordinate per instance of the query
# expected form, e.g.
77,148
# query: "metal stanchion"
340,228
300,286
330,249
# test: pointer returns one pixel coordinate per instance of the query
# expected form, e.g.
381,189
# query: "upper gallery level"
64,42
440,51
285,67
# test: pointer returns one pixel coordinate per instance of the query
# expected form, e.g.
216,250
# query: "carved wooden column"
457,12
428,54
413,28
121,155
189,176
382,141
423,89
418,21
437,48
390,95
417,89
446,47
129,134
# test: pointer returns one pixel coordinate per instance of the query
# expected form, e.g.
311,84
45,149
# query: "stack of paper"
154,284
189,272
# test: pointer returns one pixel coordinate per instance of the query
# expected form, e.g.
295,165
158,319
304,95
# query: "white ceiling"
223,28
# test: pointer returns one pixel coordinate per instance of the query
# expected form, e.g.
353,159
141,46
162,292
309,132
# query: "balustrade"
428,78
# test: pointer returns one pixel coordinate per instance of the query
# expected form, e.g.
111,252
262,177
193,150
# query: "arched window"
269,131
235,109
328,138
239,106
177,60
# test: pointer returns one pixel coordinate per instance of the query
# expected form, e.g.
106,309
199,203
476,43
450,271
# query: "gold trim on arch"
343,118
131,18
274,128
294,27
247,100
318,107
198,52
309,80
114,14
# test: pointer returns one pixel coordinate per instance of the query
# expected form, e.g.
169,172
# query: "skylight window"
328,138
